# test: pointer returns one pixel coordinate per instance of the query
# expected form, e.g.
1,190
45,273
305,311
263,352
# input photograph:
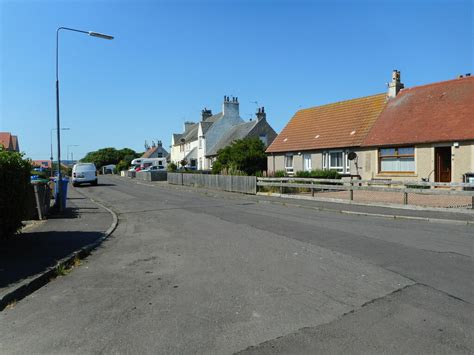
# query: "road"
193,271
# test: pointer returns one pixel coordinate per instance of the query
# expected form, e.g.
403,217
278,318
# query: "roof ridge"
338,102
437,83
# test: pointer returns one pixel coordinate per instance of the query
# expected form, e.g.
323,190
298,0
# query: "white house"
199,143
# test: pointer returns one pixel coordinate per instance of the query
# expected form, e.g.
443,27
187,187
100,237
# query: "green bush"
242,157
14,184
172,167
319,174
279,173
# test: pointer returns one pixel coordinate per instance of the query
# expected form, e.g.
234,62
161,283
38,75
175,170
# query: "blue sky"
170,59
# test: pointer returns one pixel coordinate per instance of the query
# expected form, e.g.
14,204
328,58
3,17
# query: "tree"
106,156
243,155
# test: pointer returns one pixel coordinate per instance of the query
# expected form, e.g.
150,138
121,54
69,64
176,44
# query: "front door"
443,164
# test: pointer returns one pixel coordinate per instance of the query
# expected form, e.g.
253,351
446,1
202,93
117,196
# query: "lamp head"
100,35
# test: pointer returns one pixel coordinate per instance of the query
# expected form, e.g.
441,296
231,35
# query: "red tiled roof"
5,140
338,125
149,152
438,112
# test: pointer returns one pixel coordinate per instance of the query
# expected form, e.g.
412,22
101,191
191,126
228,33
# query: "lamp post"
51,144
70,145
58,128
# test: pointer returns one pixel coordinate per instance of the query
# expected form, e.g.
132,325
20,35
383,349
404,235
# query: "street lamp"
70,145
90,33
51,144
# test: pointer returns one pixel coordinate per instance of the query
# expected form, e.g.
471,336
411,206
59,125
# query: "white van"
84,173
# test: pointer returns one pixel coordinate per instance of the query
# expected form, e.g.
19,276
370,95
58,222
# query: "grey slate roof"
237,132
214,118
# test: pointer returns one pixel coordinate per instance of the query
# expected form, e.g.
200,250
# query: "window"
289,161
289,164
160,155
336,160
263,138
307,162
181,147
397,160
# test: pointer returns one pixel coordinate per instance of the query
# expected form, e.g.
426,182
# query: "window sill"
397,174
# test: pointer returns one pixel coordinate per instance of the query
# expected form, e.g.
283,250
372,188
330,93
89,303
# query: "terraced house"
420,133
200,142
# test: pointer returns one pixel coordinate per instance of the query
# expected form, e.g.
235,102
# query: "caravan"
141,164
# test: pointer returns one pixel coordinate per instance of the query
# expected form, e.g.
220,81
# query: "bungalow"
199,143
420,133
9,142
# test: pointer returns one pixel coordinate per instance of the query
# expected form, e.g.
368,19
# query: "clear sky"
170,59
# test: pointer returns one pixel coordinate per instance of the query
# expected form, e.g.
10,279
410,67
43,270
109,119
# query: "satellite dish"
352,155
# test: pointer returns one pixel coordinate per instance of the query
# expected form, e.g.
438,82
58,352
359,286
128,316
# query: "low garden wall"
152,175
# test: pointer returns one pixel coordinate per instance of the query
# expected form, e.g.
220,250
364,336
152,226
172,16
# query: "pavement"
42,244
194,271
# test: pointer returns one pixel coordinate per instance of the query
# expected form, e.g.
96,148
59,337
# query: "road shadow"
68,213
31,253
90,185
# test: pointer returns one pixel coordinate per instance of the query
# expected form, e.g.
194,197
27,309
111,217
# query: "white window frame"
289,169
307,158
344,169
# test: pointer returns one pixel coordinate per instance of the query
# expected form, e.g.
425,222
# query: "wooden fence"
405,187
242,184
151,175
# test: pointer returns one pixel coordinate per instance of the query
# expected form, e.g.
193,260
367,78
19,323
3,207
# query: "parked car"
154,168
84,173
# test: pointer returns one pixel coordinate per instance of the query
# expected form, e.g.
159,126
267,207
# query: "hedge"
14,184
319,174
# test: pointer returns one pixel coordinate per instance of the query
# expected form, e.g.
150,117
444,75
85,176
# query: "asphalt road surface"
190,271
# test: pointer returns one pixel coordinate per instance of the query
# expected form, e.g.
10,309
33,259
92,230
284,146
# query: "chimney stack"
230,107
395,85
206,114
261,114
159,144
187,125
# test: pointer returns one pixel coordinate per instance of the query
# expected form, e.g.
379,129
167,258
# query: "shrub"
279,173
14,185
319,174
243,156
172,167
